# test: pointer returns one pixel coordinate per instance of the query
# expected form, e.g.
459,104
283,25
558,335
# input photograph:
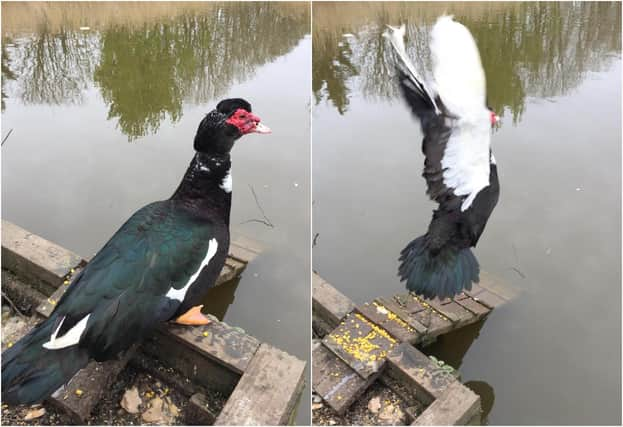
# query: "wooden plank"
435,323
244,249
232,269
475,290
457,405
388,320
86,388
47,306
390,304
218,341
453,311
461,296
361,344
34,258
477,309
418,371
489,299
410,303
328,303
198,412
333,380
193,365
23,296
267,392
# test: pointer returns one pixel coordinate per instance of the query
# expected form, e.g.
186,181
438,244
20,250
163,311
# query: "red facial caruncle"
494,118
247,122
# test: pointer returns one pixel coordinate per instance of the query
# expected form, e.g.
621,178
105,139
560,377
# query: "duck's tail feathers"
442,275
31,373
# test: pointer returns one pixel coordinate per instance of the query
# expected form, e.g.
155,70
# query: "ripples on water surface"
103,120
552,356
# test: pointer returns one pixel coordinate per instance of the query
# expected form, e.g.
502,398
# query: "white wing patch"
71,337
180,294
226,184
465,161
457,69
460,82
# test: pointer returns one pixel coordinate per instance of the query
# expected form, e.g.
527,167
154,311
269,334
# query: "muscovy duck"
459,168
146,274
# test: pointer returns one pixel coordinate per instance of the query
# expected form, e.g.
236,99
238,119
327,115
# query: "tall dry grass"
31,16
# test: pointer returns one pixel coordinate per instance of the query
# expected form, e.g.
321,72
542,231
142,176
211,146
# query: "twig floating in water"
523,276
261,221
264,221
5,138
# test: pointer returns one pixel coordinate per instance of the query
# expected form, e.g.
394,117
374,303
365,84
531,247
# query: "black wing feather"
124,286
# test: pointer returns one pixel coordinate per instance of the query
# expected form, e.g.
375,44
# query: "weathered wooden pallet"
330,304
376,339
216,355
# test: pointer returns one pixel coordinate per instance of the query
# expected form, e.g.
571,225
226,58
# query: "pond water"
103,119
552,355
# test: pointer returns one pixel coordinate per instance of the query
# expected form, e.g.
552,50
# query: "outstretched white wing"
396,37
457,69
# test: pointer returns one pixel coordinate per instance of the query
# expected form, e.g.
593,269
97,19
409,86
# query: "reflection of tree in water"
51,68
146,72
331,67
528,49
7,74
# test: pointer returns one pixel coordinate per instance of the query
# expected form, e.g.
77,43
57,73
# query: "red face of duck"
494,118
247,122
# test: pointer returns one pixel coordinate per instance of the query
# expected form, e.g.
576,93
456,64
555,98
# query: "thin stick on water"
516,269
264,221
5,138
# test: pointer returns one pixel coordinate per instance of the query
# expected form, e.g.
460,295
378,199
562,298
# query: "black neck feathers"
207,184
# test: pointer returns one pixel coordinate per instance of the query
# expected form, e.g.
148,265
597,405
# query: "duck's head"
493,118
221,127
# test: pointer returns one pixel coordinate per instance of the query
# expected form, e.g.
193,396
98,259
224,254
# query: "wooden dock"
377,340
264,384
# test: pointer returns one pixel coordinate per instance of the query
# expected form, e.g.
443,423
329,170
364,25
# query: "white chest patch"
226,184
71,337
180,294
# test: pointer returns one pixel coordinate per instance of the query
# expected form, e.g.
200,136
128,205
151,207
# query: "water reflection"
218,299
487,398
7,74
53,68
528,49
452,348
146,70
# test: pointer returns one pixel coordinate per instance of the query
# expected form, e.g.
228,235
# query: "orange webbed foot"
193,317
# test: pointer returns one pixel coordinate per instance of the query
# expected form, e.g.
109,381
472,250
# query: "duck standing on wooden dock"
148,272
460,170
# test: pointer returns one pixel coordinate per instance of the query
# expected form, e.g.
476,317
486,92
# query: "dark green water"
553,355
103,122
